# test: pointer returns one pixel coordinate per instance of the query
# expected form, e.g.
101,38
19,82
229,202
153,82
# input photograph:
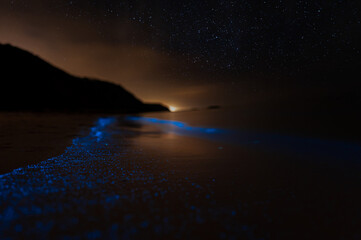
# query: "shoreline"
112,182
29,138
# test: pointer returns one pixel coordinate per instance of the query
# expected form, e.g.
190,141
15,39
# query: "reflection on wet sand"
288,144
125,178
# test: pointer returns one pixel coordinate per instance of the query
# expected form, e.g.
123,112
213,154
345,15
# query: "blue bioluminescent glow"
100,181
98,129
103,180
263,140
178,127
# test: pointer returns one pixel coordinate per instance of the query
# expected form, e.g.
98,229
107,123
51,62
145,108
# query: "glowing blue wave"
265,141
98,173
176,126
100,181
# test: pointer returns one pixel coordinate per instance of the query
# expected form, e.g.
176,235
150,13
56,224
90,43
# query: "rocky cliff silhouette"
28,83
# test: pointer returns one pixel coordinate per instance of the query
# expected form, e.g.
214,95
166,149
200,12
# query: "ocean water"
215,174
303,137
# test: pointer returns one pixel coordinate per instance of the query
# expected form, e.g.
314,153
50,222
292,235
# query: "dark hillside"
28,83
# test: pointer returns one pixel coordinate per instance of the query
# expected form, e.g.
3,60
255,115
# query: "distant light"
172,109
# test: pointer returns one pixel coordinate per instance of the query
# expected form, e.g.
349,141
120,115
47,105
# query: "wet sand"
28,138
132,181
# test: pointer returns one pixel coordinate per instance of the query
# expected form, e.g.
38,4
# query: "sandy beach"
106,177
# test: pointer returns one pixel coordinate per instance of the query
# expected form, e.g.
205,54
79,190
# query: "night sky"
187,53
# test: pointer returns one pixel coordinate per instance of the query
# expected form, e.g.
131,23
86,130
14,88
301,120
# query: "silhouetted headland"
28,83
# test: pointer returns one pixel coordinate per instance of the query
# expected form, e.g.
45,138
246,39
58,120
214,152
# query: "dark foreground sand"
112,183
28,138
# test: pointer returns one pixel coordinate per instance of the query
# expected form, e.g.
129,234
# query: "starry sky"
189,53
